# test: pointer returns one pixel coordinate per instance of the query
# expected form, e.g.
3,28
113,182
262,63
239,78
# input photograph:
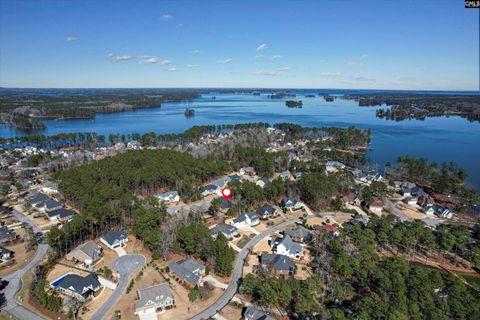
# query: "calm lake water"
438,139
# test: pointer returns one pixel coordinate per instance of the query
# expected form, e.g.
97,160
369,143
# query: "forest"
351,280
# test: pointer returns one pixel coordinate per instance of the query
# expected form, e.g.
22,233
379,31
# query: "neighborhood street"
125,265
232,288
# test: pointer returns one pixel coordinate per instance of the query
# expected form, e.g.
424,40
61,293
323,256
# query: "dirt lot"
410,212
21,256
231,313
59,270
96,303
262,246
108,256
250,261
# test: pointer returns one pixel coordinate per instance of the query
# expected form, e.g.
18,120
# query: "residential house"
425,201
266,212
60,215
114,239
262,182
291,204
442,212
78,287
221,183
406,192
287,246
6,235
51,205
188,270
235,177
251,313
225,205
246,219
249,171
87,253
228,230
209,189
329,228
171,196
299,234
411,201
428,210
134,145
376,206
277,264
5,255
37,198
334,166
359,175
395,184
285,175
153,299
351,198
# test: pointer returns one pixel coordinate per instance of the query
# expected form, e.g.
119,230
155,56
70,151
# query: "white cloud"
165,62
192,65
172,69
225,61
148,59
363,79
283,69
276,57
260,56
357,61
180,25
261,47
330,74
266,73
70,38
123,57
165,17
196,51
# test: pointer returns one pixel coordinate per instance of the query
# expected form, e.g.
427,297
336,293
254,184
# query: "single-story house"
287,246
153,299
291,203
267,211
251,313
171,196
188,270
5,254
277,264
87,253
114,239
351,198
246,219
60,215
78,287
6,235
299,234
376,206
209,189
228,230
250,171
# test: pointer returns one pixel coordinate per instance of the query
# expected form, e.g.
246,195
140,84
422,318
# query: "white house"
153,299
245,220
287,246
114,239
171,196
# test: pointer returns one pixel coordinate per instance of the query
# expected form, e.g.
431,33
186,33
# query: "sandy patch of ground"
410,212
21,256
231,312
251,261
262,246
93,305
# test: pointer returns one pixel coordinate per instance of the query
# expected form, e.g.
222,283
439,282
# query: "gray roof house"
266,211
81,288
235,177
251,313
209,189
285,175
291,203
37,198
61,214
5,254
114,239
277,263
225,205
299,234
246,219
154,298
52,204
228,230
7,235
188,270
87,253
287,246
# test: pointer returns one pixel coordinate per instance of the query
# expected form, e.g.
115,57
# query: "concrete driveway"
125,265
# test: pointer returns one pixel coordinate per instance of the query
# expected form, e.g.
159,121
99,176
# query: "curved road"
14,279
238,270
125,265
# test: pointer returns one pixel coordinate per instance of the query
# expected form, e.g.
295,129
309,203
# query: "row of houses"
53,209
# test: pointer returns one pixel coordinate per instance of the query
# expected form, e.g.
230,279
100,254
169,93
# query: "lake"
438,139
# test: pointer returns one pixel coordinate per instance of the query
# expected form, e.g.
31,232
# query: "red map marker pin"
226,193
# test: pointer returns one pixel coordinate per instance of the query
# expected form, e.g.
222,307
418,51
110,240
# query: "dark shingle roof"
61,213
79,284
279,262
111,236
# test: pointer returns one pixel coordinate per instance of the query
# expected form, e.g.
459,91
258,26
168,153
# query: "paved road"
125,265
14,279
237,271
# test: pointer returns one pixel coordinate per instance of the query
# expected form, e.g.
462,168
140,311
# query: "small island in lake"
189,112
294,104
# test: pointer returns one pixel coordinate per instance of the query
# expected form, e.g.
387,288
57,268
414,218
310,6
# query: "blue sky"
389,44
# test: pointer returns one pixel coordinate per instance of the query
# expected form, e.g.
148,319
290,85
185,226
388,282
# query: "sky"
384,44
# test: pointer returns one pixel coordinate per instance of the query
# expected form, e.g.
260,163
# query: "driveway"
125,265
232,288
